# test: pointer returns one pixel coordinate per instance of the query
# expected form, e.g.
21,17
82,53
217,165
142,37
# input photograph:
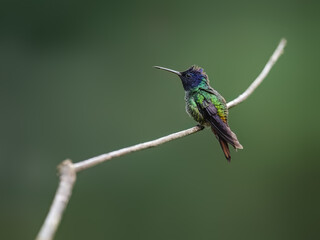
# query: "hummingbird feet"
200,126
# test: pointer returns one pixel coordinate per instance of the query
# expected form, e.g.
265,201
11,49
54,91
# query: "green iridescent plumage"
197,96
207,106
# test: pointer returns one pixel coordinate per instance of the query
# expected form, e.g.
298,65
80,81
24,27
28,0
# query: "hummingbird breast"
192,109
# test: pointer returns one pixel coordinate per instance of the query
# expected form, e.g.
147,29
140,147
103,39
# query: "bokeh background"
77,81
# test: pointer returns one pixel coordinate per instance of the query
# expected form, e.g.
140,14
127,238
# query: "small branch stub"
61,199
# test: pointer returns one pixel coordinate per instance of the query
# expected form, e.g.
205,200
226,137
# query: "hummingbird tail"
225,148
224,145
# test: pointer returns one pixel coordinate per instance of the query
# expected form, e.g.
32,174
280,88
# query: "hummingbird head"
190,78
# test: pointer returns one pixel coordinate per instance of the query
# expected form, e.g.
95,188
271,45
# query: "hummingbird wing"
221,128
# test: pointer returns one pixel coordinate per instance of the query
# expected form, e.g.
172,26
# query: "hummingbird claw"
200,126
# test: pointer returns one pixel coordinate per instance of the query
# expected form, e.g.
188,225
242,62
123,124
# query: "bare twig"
275,56
105,157
68,170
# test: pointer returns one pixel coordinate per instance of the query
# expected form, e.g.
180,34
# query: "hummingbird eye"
188,75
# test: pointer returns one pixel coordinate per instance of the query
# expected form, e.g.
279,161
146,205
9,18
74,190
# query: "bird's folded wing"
209,111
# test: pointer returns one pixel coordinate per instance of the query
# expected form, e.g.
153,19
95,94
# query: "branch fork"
68,170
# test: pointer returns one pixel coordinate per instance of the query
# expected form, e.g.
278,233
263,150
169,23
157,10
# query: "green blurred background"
77,81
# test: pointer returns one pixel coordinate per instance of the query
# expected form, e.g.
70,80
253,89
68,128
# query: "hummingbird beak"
169,70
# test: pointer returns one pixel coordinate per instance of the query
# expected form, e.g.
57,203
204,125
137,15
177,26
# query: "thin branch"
68,170
105,157
275,56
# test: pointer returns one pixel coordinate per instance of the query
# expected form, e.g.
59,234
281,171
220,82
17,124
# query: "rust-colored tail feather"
225,148
224,144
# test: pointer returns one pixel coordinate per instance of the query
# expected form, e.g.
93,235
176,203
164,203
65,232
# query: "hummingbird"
206,106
